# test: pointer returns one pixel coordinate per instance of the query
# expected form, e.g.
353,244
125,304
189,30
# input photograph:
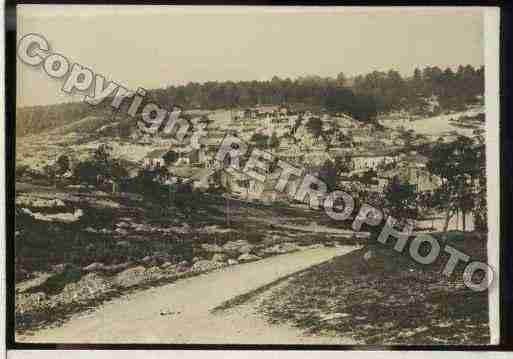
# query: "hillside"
76,248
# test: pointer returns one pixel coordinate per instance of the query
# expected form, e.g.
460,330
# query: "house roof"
203,174
416,159
158,153
183,171
267,108
382,153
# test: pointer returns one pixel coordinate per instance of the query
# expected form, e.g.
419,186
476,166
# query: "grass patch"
387,300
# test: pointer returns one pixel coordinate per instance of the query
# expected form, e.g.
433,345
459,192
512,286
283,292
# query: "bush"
87,172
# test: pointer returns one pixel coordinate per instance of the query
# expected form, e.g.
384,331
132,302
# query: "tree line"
363,96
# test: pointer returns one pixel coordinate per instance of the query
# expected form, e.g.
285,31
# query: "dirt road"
180,312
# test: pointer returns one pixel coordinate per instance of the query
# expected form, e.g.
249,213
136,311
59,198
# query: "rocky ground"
185,311
76,249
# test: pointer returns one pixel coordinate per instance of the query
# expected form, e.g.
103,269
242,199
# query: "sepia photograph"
256,175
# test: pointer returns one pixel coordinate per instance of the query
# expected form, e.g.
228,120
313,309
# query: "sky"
158,46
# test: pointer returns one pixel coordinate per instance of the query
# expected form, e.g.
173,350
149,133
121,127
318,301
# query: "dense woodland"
363,96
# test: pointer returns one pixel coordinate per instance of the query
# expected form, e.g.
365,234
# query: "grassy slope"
40,244
386,300
159,230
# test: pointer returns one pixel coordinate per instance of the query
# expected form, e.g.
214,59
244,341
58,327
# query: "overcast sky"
154,47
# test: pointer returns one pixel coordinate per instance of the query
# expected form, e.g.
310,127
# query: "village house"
432,103
371,160
291,121
379,184
413,160
423,180
284,110
250,113
344,121
155,159
286,142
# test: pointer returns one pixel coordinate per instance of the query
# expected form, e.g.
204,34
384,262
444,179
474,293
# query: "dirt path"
180,312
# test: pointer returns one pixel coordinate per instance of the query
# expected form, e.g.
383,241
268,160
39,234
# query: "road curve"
186,305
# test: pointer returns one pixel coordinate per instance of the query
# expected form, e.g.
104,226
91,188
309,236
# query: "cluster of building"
367,148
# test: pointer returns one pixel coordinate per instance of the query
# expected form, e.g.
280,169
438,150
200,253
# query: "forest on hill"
363,96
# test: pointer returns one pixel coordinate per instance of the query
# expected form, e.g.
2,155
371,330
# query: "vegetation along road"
182,312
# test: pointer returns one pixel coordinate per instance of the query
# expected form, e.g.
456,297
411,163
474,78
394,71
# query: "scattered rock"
59,217
161,257
88,287
90,229
30,302
235,248
121,231
184,229
168,266
362,235
130,277
212,248
247,257
272,240
168,312
28,285
282,248
38,202
115,268
232,262
332,316
153,273
205,265
124,244
183,267
215,229
94,267
61,268
368,255
98,231
123,225
219,257
147,260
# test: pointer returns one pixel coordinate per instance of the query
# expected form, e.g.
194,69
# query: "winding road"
180,313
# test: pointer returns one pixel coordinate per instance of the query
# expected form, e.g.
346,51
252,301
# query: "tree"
314,125
102,157
102,164
417,75
481,208
328,174
401,200
369,177
458,165
87,171
342,164
341,79
63,164
265,142
408,136
170,157
117,171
